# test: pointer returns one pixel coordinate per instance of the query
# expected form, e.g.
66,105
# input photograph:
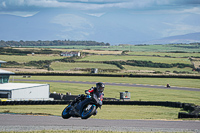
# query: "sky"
110,21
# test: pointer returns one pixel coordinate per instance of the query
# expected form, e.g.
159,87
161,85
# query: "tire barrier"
187,115
193,111
33,102
188,107
151,103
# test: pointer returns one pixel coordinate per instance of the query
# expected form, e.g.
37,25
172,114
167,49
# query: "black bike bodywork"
87,109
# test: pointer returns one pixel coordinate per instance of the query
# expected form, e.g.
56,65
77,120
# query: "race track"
16,122
115,84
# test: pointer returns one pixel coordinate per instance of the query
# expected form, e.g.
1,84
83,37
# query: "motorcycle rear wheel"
65,112
87,112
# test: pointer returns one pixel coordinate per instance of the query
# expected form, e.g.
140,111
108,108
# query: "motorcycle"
88,107
168,86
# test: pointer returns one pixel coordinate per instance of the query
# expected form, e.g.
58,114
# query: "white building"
24,91
21,91
71,54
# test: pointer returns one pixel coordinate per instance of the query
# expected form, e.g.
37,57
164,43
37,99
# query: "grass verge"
106,112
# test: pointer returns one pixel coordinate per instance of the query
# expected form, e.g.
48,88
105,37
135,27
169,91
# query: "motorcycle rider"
168,86
96,93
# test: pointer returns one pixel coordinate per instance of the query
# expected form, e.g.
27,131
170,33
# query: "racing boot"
95,113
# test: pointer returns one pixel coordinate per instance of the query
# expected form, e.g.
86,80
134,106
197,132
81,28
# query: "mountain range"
187,38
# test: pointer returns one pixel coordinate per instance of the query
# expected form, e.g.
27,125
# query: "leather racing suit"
98,96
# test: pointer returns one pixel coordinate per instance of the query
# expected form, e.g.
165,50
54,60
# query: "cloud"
96,14
163,17
21,14
188,10
98,4
4,4
194,10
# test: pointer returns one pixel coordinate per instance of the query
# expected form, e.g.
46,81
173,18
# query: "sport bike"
88,107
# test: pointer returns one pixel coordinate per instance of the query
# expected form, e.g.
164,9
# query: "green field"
163,70
167,60
146,58
61,66
66,66
135,48
23,59
164,54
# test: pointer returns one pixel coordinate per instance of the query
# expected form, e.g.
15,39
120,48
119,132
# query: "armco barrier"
69,97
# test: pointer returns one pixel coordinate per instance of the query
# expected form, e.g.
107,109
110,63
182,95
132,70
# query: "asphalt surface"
16,122
116,84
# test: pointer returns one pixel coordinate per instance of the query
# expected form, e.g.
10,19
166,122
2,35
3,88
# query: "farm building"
21,91
71,54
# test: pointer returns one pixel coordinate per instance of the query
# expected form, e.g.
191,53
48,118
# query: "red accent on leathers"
91,90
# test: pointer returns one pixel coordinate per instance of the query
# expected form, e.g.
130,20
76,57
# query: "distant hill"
187,38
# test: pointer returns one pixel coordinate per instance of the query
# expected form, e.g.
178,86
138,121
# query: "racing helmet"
100,86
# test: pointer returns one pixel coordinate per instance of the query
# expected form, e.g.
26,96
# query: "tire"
86,113
65,112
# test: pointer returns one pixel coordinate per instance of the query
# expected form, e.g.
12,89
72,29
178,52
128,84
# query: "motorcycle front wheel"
65,112
88,111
